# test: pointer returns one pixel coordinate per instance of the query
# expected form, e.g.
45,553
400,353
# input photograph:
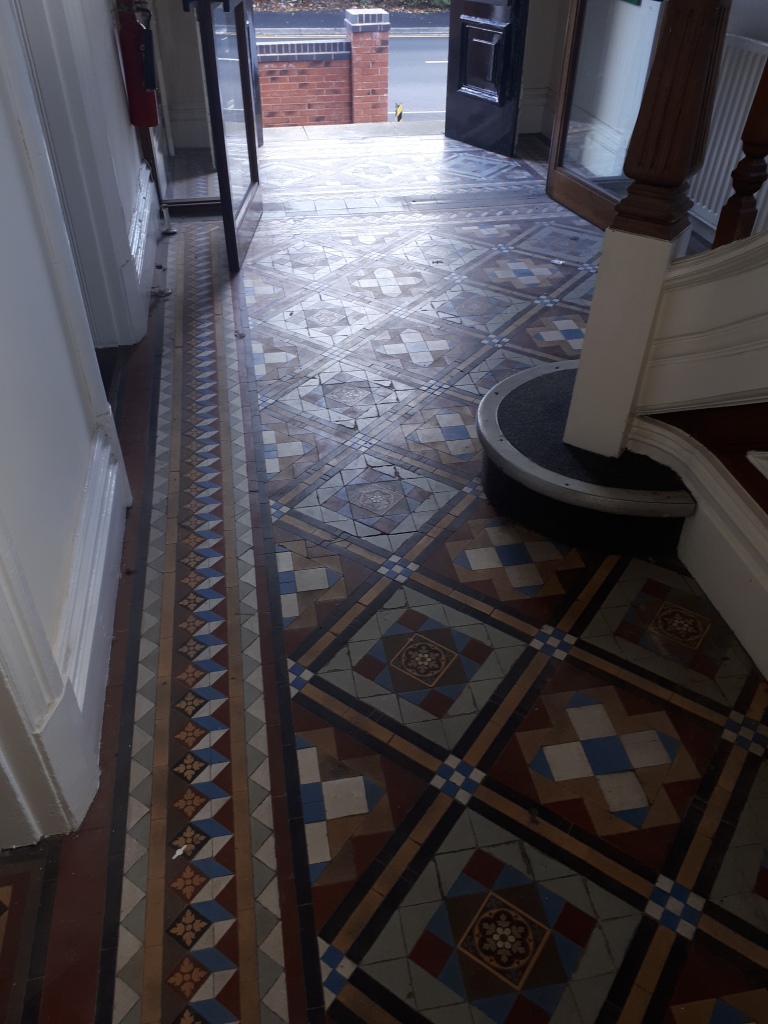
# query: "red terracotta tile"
326,898
431,953
526,1012
575,925
706,976
574,811
484,868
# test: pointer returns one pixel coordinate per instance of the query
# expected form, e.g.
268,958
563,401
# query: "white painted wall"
78,78
542,65
62,483
749,18
121,136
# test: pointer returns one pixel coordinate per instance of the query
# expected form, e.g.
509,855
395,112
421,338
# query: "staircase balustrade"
670,135
740,212
667,146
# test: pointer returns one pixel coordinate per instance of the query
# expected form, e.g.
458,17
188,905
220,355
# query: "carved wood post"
668,142
667,146
740,212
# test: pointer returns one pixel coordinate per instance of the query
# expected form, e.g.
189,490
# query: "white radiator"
740,71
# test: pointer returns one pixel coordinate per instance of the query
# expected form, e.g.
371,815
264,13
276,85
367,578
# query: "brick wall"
305,91
328,81
368,32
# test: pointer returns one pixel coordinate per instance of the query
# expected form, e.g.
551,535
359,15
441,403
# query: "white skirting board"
143,234
724,544
52,700
85,627
537,111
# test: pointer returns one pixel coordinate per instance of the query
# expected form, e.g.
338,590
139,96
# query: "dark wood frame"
239,224
591,202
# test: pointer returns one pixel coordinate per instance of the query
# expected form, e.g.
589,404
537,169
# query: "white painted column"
617,339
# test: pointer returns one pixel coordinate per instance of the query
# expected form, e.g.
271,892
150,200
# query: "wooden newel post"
740,212
668,142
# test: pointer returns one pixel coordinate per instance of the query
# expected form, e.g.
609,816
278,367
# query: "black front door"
485,67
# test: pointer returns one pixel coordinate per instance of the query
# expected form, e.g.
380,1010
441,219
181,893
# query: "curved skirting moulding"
724,544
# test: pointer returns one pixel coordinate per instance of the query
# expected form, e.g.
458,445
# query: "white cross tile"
622,791
318,849
483,558
567,761
311,579
309,768
591,722
645,749
344,797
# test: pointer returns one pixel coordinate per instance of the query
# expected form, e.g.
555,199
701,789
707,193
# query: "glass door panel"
204,152
232,104
226,35
609,49
181,148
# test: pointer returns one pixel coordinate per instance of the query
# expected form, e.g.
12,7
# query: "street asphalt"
274,24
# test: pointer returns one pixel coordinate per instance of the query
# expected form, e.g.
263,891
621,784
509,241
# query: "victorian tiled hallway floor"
372,752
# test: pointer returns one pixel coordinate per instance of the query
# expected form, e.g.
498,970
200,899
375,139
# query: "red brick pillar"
368,35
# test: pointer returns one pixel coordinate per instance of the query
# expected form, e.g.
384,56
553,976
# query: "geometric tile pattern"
420,669
301,578
504,942
345,396
277,453
397,568
507,563
559,330
324,319
743,1008
496,760
396,757
458,779
746,733
519,273
575,935
486,372
598,752
412,346
330,793
372,500
554,642
710,991
335,970
467,306
352,802
740,888
452,430
617,767
675,907
423,661
203,959
517,562
661,622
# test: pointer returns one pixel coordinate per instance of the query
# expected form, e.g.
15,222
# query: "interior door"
609,46
485,66
227,43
